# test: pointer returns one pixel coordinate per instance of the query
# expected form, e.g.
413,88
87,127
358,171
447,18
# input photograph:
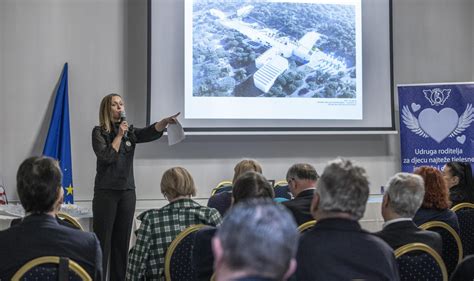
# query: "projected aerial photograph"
274,49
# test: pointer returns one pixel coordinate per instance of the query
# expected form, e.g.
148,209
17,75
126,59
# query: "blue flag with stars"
58,141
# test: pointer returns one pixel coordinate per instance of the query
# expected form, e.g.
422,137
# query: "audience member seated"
435,206
465,270
39,234
159,227
337,248
257,241
301,180
401,200
249,185
458,176
223,200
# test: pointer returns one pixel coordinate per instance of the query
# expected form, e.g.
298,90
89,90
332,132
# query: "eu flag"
58,141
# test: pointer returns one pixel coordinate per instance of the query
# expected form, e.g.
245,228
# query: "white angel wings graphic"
411,122
463,123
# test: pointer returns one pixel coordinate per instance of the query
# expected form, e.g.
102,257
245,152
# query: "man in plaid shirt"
159,227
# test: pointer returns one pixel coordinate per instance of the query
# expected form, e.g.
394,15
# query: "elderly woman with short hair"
160,226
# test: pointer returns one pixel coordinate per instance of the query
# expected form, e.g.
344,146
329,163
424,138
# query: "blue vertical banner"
436,124
58,141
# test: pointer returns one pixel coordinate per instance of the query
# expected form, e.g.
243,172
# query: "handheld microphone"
123,117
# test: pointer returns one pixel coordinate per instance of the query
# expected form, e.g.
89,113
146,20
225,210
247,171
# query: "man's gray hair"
302,171
406,192
260,237
343,187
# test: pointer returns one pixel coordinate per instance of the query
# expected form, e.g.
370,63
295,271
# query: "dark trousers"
113,212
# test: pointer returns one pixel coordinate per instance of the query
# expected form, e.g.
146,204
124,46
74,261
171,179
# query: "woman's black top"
460,194
115,169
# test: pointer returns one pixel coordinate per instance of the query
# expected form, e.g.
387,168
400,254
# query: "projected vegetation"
268,49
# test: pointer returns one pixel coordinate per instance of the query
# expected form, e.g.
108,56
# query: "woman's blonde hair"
246,165
105,112
176,182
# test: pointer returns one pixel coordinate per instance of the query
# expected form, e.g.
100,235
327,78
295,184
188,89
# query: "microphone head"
123,116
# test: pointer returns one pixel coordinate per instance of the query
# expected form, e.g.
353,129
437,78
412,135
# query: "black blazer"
60,221
42,235
425,215
338,249
115,169
300,206
401,233
465,270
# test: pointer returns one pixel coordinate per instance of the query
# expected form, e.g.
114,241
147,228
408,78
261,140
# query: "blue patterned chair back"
223,186
282,190
465,213
452,245
51,268
178,263
417,261
221,202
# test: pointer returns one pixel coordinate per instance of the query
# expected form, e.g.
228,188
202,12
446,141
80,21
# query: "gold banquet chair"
418,261
222,186
38,269
306,226
178,263
465,214
72,220
282,190
452,246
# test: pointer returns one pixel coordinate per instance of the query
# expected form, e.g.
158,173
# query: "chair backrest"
282,190
417,261
49,268
465,214
306,226
178,263
452,245
225,185
70,219
221,202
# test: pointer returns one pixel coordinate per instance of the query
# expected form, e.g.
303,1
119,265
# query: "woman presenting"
113,205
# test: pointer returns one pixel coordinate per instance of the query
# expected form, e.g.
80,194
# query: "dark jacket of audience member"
39,234
60,222
336,248
301,180
458,176
42,235
249,185
435,206
465,270
401,200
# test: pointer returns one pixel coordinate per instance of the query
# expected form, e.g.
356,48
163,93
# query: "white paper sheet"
175,134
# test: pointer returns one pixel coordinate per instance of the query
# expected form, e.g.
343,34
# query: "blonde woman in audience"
160,226
223,200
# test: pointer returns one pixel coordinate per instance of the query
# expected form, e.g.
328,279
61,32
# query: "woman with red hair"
435,206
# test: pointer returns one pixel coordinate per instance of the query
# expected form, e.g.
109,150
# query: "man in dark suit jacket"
336,248
401,200
39,234
301,180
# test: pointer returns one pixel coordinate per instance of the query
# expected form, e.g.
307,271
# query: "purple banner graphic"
435,124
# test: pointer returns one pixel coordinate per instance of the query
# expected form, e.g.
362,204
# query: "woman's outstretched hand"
163,123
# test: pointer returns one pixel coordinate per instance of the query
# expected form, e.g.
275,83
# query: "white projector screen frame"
169,51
